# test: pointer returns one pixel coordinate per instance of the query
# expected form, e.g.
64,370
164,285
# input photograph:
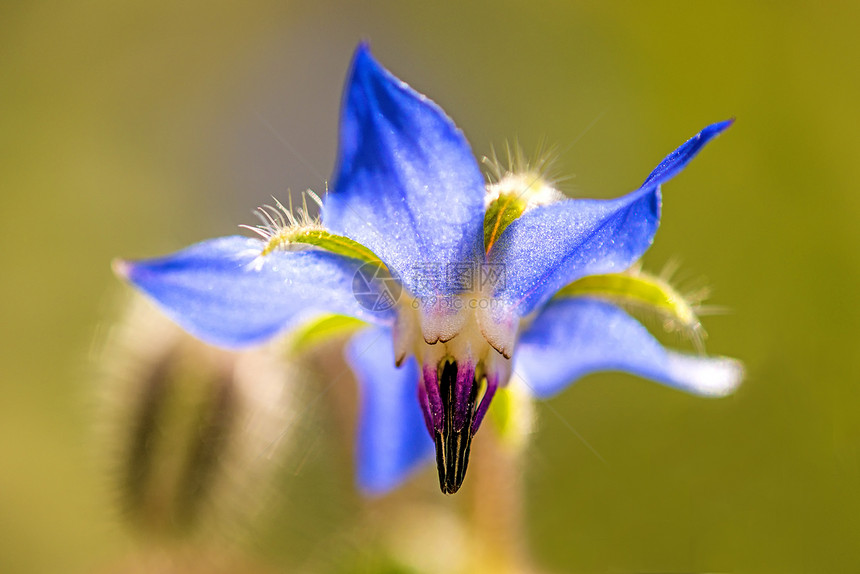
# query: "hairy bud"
197,430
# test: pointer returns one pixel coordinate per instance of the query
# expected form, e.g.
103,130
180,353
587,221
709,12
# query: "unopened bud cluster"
193,432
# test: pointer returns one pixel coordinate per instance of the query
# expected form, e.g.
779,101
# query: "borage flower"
462,283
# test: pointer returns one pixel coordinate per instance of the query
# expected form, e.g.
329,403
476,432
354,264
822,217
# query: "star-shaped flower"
461,283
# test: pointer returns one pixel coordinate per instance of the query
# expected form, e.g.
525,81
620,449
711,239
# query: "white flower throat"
460,373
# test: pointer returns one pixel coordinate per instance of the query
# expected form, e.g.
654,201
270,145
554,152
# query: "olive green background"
132,129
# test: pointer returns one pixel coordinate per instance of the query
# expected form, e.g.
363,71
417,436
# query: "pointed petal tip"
363,61
734,374
121,268
363,49
708,377
717,128
676,161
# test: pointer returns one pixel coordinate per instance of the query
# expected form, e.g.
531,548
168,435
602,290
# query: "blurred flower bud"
196,432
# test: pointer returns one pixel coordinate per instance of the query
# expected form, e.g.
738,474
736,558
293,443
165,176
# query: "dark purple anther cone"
448,396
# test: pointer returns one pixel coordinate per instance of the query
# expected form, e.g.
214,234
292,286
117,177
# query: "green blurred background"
135,128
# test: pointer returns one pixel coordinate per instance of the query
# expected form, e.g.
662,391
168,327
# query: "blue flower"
462,284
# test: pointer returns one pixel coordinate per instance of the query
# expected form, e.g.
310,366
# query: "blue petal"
571,338
407,185
678,159
551,246
392,436
220,291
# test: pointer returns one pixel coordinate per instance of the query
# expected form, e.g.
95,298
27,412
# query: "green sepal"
326,328
501,213
638,290
324,240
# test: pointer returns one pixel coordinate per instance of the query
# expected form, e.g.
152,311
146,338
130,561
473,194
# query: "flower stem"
496,510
